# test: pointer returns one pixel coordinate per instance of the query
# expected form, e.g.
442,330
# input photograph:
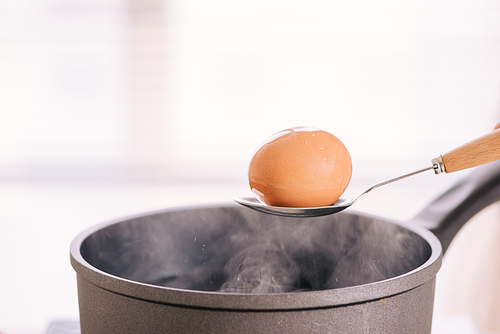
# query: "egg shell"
300,167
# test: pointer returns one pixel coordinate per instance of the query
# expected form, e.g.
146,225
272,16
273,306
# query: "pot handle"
446,215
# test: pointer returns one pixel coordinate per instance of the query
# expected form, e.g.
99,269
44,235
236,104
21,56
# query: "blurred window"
189,88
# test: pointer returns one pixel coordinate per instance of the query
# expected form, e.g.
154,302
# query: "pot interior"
234,249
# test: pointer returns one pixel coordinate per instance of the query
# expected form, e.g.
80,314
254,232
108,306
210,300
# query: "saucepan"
227,269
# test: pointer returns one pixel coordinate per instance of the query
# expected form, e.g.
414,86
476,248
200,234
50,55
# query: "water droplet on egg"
300,156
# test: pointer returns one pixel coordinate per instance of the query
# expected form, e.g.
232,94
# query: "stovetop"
64,327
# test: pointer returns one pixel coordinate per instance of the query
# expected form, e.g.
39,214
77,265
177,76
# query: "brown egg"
300,167
497,126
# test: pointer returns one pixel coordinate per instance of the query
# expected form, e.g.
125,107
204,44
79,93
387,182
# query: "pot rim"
248,301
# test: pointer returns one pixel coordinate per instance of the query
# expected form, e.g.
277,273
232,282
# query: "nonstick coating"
195,249
165,272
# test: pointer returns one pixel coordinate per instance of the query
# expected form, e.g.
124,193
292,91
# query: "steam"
383,251
241,251
300,256
261,270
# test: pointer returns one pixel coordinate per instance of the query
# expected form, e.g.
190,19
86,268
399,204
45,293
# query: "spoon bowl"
253,203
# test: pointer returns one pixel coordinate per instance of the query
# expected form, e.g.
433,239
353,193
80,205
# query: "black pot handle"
446,215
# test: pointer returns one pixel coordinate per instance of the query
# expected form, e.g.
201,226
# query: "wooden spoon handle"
474,153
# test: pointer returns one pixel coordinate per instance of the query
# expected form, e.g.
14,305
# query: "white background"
109,108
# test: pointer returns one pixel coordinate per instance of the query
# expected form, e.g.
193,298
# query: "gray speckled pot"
117,293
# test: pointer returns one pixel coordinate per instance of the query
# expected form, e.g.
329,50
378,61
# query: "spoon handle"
474,153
